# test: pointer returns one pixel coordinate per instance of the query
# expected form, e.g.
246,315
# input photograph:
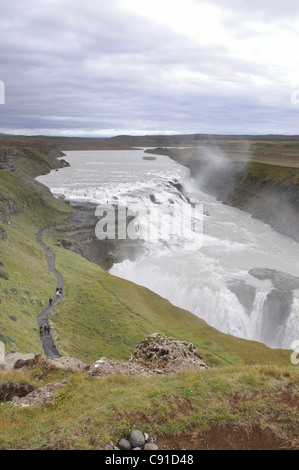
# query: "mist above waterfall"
268,192
215,171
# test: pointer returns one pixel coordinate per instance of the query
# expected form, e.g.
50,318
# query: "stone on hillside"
124,444
150,446
137,438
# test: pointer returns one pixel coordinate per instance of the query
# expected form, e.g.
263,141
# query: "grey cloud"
75,66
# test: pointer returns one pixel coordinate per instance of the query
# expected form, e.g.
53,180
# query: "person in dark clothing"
50,301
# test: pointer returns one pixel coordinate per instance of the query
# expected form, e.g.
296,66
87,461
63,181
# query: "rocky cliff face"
22,159
8,207
268,192
9,158
274,199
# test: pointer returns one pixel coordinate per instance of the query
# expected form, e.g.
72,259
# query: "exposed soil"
39,396
217,437
9,390
228,437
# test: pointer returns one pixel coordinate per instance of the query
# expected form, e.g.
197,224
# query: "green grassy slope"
25,283
253,406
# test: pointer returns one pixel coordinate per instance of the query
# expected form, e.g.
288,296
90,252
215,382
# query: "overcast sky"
109,67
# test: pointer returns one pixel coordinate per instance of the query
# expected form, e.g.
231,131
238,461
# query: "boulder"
124,444
137,439
150,446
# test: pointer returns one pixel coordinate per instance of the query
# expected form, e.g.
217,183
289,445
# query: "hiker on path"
50,301
41,330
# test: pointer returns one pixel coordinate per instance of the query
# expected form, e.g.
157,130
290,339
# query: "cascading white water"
290,330
256,316
213,281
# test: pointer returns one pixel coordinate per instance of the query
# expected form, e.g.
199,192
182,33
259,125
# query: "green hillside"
228,408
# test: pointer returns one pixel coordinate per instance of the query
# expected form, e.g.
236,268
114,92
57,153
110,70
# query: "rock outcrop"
9,158
3,235
8,207
164,355
156,354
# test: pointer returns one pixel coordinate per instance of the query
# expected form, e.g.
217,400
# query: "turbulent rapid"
242,278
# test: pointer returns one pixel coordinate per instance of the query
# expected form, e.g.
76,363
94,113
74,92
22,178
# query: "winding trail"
48,344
